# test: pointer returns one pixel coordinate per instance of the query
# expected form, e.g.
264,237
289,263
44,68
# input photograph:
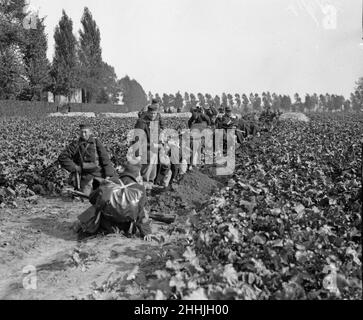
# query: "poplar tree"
90,57
65,67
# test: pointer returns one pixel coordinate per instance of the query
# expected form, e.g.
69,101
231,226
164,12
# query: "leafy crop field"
30,148
285,225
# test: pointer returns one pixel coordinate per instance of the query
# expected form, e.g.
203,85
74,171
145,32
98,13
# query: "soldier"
198,118
86,158
154,102
198,121
117,204
228,120
149,170
257,103
211,112
220,114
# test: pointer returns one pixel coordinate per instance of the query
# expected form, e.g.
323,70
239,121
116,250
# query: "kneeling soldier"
86,159
119,203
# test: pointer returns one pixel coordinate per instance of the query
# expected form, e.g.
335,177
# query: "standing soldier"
198,121
144,111
229,121
86,159
150,170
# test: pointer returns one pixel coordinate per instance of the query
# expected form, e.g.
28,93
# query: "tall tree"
36,62
12,17
90,57
187,103
178,103
12,73
12,69
217,102
355,105
359,92
201,100
209,100
224,102
171,100
230,100
193,100
65,67
237,99
165,102
134,96
109,90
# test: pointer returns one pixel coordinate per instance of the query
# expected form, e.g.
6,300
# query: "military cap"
153,107
228,109
154,101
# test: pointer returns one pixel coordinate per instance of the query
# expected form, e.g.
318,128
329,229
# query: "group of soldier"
89,163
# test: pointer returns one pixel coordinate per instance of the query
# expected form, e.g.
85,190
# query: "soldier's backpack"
114,201
118,201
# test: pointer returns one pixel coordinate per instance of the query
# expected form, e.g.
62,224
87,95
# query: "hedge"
11,108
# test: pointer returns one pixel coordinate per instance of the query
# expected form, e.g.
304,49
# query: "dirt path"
39,236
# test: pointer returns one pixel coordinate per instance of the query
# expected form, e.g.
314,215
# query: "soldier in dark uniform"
150,170
198,118
212,113
229,121
125,212
220,114
86,158
155,104
198,121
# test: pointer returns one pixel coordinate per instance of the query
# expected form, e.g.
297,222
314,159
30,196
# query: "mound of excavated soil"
191,191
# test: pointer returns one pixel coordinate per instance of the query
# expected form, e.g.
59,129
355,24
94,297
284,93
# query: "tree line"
254,102
27,74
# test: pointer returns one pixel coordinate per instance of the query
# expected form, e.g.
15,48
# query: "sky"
232,46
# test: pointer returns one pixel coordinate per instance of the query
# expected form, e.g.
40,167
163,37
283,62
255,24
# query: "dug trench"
41,257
